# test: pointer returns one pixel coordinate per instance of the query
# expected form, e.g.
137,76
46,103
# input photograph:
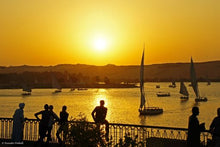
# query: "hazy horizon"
109,64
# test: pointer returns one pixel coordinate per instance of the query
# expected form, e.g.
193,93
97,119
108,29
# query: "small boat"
208,83
157,86
195,84
183,91
72,89
58,90
173,85
143,110
55,84
26,91
82,88
163,94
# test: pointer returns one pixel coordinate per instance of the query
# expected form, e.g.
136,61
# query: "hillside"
115,74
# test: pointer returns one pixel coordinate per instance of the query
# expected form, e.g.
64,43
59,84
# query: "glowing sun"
100,44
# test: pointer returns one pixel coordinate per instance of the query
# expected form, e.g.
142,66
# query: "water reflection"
102,94
142,119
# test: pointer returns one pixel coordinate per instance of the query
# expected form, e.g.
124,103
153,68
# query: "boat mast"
142,104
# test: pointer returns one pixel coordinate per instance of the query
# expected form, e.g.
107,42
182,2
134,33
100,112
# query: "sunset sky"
100,32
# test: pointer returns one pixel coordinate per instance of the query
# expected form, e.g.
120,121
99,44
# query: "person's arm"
67,116
55,116
105,113
36,115
212,126
93,114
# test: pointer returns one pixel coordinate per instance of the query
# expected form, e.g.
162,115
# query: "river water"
122,103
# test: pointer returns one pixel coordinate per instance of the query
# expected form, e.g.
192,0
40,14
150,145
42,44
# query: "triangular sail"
193,79
183,89
142,82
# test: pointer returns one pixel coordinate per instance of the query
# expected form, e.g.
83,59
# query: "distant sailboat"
183,91
208,82
173,85
26,91
143,110
194,84
55,84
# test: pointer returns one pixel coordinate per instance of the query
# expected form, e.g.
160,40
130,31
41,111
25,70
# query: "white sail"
142,104
193,79
143,110
183,89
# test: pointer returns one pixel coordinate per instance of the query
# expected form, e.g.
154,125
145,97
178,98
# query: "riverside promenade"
148,135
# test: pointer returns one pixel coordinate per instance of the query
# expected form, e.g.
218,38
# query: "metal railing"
116,132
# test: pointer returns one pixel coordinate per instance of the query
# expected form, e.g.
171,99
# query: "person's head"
102,103
21,105
46,106
218,112
51,107
64,108
195,111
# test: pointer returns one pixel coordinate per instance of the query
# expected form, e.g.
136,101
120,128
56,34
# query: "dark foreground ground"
151,142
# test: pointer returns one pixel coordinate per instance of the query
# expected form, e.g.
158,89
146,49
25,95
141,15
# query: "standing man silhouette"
99,116
52,120
18,124
194,129
44,121
63,124
215,129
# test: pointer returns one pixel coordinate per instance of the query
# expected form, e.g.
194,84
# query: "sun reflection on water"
102,94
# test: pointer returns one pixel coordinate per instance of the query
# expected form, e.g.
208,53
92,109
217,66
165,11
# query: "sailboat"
183,91
55,84
143,110
26,91
195,84
173,85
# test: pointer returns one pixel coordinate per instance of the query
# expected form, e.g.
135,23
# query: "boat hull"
57,91
161,94
184,97
151,111
201,99
26,94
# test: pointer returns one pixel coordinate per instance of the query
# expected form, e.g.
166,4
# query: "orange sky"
50,32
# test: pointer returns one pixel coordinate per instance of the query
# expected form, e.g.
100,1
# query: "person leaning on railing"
99,116
44,122
63,125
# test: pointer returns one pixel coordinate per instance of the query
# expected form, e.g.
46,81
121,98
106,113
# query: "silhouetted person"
99,115
63,124
44,122
18,124
215,129
194,129
52,119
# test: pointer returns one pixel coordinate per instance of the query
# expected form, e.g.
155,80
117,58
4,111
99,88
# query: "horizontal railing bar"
131,125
